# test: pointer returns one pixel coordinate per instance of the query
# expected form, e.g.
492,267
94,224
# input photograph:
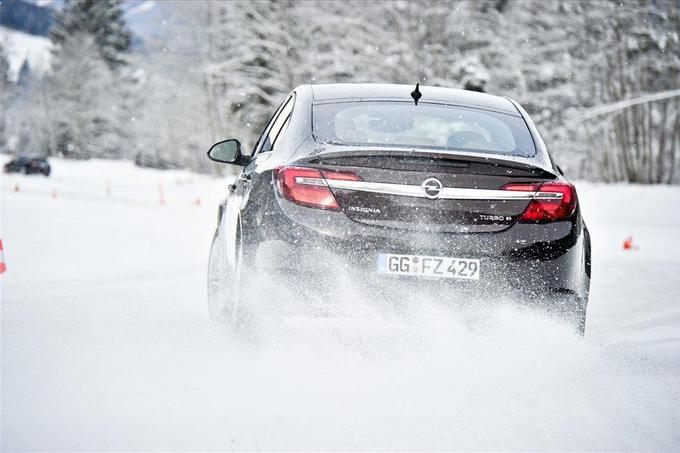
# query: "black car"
433,185
28,166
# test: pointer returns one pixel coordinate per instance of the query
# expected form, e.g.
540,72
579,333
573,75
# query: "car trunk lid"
430,192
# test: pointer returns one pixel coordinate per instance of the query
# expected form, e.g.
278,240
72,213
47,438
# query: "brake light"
308,186
552,201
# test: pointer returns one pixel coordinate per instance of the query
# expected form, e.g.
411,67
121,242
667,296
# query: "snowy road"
106,342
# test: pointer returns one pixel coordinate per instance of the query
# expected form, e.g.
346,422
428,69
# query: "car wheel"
224,282
572,309
580,321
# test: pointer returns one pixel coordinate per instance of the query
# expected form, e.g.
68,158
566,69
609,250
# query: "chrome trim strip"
378,187
447,193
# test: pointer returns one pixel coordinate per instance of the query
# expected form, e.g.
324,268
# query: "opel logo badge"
432,188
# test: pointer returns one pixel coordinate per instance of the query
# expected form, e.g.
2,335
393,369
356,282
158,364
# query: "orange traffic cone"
3,266
16,187
628,243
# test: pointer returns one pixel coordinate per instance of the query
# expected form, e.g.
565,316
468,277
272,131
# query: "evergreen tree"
89,84
556,57
4,70
323,57
101,19
254,60
633,50
4,97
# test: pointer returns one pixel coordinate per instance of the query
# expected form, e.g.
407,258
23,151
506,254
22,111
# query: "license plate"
428,266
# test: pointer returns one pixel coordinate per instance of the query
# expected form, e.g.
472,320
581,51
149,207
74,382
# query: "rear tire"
218,284
224,286
572,309
580,323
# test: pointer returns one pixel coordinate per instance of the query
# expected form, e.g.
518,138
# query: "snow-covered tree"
545,59
79,91
102,20
5,88
4,70
634,50
171,123
253,60
218,69
89,85
338,42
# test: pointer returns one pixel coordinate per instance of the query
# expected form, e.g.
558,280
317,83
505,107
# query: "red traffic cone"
161,193
54,194
3,266
628,243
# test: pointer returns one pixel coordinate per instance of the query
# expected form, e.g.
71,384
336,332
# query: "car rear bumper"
532,259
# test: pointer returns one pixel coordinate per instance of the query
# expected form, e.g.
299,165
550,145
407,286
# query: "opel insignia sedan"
432,186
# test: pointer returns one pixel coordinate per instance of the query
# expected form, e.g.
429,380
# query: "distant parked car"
28,166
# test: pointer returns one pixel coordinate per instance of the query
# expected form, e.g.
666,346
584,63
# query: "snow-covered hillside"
23,48
106,342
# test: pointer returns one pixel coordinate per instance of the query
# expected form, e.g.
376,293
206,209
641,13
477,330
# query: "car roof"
384,91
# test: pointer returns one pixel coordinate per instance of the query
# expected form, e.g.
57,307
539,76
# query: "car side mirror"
228,152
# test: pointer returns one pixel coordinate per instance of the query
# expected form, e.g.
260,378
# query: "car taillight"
551,201
308,186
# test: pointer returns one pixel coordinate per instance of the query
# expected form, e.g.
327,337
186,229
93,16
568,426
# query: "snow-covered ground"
106,342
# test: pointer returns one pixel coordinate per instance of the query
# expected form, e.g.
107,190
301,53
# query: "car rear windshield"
431,126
